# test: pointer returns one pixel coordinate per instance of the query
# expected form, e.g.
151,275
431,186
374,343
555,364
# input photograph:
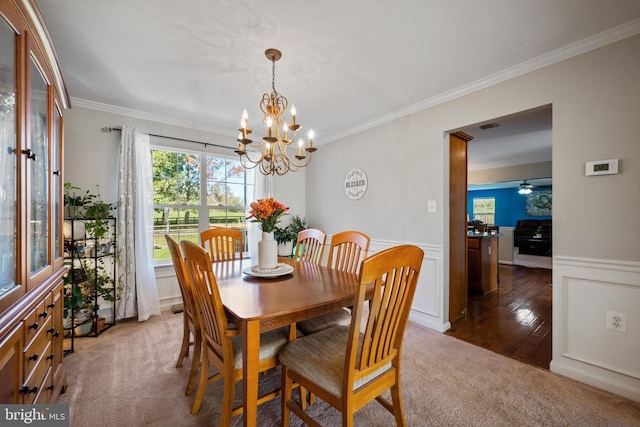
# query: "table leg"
250,362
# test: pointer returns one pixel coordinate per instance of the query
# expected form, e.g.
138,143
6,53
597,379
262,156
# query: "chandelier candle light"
267,213
273,159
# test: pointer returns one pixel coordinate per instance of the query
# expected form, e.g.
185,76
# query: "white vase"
267,252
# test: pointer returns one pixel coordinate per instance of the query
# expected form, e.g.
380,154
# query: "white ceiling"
346,65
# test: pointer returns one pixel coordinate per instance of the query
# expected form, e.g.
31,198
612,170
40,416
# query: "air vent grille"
489,126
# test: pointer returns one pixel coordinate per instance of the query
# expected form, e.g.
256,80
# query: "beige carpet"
126,377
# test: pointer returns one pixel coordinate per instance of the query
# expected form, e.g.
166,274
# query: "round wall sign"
355,184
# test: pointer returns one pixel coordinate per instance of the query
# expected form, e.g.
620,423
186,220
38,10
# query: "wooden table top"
308,291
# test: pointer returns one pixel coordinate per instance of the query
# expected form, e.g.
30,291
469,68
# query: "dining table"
258,302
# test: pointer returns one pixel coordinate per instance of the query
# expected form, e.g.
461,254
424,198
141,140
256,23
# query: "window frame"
484,215
203,208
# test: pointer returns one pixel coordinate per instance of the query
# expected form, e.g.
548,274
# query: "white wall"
596,246
596,106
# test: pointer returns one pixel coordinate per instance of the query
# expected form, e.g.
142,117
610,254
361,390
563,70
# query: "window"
189,198
484,209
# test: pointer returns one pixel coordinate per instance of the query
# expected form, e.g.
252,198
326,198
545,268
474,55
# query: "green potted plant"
297,224
72,297
89,207
83,287
285,238
538,233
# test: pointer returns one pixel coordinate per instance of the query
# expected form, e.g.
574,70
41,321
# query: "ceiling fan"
541,184
525,188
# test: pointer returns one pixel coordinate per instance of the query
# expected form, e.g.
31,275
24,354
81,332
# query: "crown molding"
137,114
604,38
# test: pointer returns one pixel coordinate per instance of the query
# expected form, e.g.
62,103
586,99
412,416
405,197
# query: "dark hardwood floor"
515,321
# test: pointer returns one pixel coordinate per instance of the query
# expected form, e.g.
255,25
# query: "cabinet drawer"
473,243
34,320
33,384
45,393
39,348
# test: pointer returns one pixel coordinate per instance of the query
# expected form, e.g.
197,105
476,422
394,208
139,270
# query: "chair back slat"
222,244
184,282
393,273
347,249
207,297
310,245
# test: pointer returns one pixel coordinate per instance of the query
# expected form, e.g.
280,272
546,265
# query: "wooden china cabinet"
32,100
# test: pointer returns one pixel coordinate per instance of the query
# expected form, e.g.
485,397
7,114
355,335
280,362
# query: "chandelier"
270,154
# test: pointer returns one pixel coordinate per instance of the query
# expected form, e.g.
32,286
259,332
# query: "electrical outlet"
617,321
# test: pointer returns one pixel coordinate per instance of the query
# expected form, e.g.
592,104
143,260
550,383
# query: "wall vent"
489,126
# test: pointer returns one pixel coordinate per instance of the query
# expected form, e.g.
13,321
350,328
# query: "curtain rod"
206,144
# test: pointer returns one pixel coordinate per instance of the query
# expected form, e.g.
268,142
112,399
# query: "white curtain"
139,294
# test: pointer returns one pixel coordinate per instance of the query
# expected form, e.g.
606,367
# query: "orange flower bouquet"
267,212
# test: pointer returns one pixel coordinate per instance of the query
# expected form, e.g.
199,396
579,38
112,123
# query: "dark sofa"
523,237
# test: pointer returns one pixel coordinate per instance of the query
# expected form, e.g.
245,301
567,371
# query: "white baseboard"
428,321
585,374
167,303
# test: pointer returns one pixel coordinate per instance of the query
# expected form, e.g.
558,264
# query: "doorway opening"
495,157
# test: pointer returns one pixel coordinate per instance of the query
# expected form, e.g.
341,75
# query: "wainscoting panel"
168,288
428,302
584,290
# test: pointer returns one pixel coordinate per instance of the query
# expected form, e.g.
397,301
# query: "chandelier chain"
273,76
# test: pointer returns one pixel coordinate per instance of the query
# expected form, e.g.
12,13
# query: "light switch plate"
431,206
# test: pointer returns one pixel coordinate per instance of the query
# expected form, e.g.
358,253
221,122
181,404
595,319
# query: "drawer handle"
44,314
30,154
34,325
25,389
51,356
34,357
52,305
56,334
51,330
51,387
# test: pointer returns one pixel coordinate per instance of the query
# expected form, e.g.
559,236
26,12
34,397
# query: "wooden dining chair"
222,244
190,319
347,367
221,341
346,250
310,245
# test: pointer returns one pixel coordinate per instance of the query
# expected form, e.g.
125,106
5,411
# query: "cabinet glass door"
38,172
8,163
